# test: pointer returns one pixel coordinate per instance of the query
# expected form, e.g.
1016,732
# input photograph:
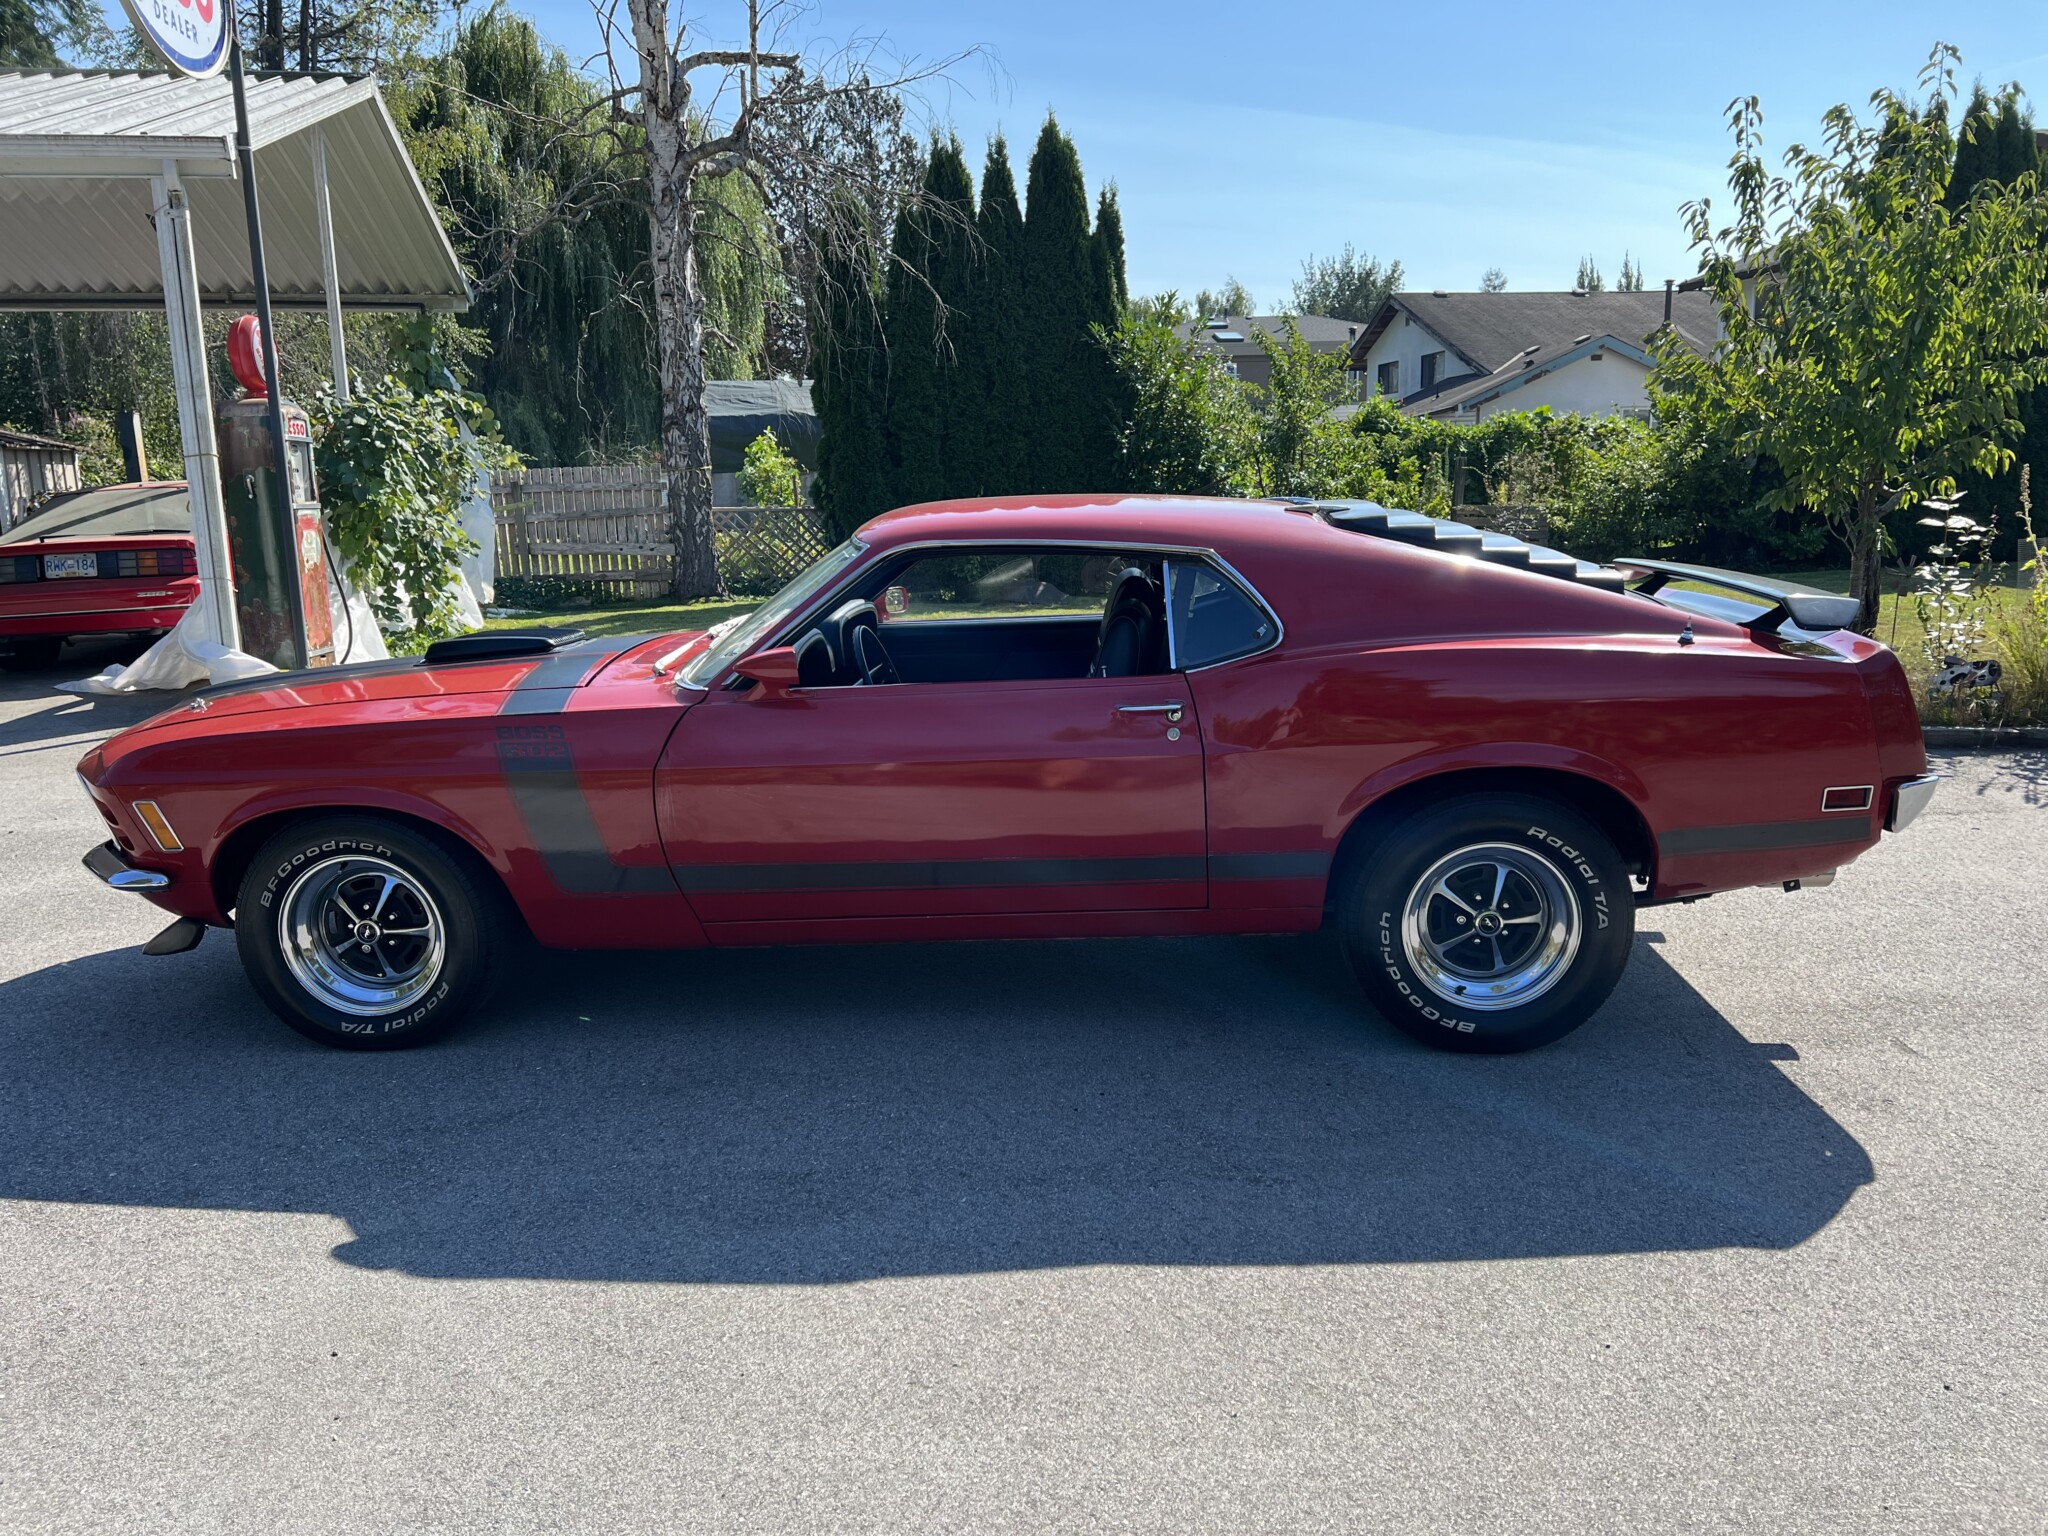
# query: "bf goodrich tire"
1488,923
364,934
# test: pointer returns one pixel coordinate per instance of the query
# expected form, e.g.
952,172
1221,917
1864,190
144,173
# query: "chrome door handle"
1171,711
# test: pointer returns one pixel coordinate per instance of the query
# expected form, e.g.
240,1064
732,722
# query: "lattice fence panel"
603,527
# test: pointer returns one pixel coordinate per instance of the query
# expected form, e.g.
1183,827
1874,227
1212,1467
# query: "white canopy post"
195,411
337,347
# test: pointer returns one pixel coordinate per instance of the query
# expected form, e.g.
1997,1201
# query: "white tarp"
185,657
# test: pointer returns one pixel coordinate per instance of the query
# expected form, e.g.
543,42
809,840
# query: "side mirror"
772,672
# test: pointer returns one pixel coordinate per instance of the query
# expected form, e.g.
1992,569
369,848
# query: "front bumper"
1909,800
114,870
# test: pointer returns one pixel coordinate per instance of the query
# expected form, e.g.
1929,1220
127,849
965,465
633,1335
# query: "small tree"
1188,426
1631,279
1589,279
1493,281
1348,286
769,475
1233,298
1889,335
1301,450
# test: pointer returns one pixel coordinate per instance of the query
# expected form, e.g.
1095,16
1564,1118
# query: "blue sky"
1454,137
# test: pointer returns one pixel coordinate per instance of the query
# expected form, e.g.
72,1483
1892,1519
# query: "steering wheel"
872,657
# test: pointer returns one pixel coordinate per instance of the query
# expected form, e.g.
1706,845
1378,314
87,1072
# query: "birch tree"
815,137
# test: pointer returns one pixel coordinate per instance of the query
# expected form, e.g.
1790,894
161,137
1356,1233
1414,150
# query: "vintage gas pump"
275,540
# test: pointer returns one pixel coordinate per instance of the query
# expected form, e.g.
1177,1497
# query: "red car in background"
1057,717
117,560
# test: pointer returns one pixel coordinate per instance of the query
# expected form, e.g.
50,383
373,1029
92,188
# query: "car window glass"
737,637
1213,619
1002,585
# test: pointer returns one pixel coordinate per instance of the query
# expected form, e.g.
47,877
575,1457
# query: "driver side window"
993,614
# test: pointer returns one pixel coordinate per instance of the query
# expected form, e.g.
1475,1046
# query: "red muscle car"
113,561
1049,717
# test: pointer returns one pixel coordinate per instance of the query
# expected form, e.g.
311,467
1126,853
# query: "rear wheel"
364,934
35,654
1489,923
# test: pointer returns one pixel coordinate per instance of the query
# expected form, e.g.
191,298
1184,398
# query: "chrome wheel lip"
331,973
1531,886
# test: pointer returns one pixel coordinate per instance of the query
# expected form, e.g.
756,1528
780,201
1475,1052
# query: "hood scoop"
500,645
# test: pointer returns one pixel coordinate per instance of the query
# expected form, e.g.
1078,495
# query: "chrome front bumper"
1909,800
113,868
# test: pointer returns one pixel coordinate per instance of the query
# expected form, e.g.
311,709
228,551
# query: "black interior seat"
1132,640
816,667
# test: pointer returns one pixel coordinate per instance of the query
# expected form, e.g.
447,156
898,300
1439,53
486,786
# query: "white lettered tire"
363,933
1488,923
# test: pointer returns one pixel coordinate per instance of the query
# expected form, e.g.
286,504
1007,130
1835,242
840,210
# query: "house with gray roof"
1462,357
1231,340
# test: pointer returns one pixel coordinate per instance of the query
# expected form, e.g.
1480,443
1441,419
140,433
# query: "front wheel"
364,934
1489,923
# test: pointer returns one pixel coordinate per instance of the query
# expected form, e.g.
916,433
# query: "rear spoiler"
1784,602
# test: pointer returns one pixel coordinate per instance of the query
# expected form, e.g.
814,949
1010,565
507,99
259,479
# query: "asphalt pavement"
1161,1236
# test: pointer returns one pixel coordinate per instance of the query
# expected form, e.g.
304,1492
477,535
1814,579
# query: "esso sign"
192,35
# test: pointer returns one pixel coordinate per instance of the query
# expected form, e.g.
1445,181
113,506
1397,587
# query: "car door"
942,798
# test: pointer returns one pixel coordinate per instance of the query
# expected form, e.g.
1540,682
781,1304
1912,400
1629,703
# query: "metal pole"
245,156
337,348
216,605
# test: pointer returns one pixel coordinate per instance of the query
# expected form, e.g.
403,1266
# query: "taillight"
20,568
147,562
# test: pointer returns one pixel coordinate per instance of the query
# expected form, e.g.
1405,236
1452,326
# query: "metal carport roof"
78,149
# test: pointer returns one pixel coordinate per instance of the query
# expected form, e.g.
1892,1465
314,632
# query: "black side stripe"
1766,836
545,690
1269,866
540,772
926,874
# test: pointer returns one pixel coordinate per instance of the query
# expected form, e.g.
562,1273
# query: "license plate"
57,567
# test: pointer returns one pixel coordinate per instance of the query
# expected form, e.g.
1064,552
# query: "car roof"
109,511
1200,521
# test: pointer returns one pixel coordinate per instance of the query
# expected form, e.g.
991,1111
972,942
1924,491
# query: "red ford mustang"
112,561
1073,716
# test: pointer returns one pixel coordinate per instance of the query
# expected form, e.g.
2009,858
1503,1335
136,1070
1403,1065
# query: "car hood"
409,677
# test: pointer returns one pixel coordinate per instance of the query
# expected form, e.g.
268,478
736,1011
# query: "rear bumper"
114,870
1909,800
119,621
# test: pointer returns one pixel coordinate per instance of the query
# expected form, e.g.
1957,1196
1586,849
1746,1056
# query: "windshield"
739,637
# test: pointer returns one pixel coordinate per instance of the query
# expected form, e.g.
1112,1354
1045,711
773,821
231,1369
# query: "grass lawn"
632,618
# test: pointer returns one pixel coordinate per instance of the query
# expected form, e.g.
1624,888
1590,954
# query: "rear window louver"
1449,538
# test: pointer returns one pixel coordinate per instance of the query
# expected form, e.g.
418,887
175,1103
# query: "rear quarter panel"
1723,745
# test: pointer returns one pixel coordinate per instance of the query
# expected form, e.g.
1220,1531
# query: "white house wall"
1405,342
1613,386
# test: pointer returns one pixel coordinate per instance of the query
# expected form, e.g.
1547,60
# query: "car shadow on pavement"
64,715
829,1115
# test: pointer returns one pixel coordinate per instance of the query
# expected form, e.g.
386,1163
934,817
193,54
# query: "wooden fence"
603,527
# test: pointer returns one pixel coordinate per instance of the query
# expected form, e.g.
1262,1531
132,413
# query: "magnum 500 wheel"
1489,923
363,934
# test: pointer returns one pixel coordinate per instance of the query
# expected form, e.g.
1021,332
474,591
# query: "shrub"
545,594
394,471
1188,426
2020,629
769,475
